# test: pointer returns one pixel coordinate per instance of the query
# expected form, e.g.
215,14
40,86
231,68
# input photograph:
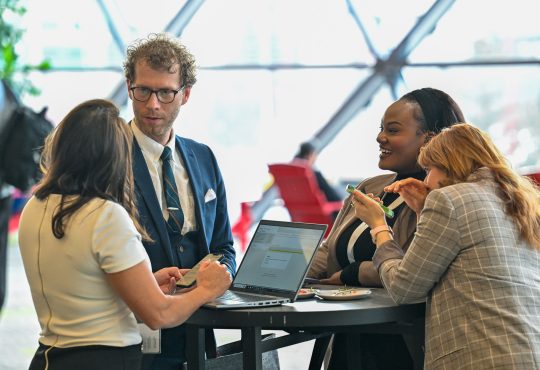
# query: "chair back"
535,177
532,172
301,194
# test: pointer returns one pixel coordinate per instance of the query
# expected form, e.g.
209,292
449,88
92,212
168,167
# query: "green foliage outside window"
11,70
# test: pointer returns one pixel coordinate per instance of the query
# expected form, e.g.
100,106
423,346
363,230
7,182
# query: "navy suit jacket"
214,230
213,226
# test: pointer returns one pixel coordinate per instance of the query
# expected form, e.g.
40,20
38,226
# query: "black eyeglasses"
165,96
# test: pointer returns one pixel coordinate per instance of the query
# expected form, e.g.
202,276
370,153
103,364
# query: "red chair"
535,177
242,225
301,194
532,172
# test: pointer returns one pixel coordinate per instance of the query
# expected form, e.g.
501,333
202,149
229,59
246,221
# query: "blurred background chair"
241,227
535,176
301,194
532,172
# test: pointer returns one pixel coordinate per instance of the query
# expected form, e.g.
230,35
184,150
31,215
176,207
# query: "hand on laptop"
214,278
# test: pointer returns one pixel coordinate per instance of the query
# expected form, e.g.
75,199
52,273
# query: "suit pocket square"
210,195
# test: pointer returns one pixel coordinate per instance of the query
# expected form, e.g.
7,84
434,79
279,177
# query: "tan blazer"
325,262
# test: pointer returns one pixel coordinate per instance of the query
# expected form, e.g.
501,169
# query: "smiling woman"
409,123
345,256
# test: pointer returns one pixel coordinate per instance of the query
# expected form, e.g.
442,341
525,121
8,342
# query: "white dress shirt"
152,152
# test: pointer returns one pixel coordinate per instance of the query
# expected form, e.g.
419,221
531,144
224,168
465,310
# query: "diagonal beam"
112,25
183,17
175,27
383,71
360,25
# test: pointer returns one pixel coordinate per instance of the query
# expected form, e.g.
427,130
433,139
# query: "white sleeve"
116,243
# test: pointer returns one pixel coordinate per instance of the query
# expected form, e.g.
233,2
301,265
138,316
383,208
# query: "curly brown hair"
162,52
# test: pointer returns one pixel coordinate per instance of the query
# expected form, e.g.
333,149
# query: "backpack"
21,142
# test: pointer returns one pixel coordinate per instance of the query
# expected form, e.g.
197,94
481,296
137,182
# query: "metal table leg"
251,346
195,348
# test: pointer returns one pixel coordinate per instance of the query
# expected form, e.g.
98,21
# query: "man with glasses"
180,192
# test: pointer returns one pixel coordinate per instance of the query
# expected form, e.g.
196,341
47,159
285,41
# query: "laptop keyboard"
240,297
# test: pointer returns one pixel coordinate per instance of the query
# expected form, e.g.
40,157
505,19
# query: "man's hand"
214,278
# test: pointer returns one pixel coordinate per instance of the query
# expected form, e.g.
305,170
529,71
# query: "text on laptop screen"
278,257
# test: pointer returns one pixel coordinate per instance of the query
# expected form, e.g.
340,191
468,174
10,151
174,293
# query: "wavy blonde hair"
462,149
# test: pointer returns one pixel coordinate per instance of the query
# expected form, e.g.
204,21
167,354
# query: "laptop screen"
279,255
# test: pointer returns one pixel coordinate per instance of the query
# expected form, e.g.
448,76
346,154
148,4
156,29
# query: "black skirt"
87,358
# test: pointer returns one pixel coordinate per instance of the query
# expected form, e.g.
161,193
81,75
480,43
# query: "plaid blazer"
481,280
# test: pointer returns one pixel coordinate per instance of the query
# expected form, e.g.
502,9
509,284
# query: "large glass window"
273,73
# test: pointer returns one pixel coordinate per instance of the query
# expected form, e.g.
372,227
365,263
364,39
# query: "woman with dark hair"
81,247
345,256
475,255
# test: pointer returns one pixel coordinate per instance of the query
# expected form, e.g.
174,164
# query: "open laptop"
274,266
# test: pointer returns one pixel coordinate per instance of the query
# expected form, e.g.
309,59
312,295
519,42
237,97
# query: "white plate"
343,294
305,293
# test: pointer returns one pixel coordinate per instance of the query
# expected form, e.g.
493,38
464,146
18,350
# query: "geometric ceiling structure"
317,70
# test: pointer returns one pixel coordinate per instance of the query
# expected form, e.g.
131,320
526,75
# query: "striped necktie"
176,216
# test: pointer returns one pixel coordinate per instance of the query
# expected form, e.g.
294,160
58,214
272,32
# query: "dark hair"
88,155
305,150
163,53
436,109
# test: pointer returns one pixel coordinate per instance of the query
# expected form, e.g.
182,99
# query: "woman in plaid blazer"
475,255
